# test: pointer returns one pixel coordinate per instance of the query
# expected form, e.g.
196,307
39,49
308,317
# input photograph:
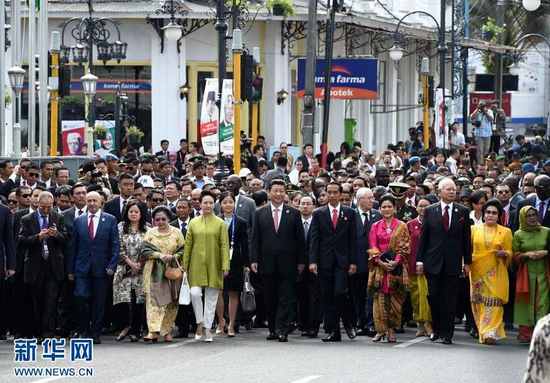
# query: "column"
169,113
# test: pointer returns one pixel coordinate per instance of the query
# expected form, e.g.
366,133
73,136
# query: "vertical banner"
72,136
209,118
443,117
227,118
104,146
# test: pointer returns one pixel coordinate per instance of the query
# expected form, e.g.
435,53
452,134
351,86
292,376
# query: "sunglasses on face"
26,195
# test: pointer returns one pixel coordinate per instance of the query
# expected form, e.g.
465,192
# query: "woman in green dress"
206,259
532,283
161,246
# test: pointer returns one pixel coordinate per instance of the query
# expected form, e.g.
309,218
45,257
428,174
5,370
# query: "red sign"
476,97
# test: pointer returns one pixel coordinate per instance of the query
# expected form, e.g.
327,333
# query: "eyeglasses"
26,195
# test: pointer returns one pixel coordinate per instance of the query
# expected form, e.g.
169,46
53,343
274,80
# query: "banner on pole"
209,122
104,147
351,79
73,137
227,117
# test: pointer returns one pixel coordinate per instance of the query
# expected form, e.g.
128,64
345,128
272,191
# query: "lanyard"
233,230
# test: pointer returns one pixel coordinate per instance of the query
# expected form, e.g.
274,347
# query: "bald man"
93,258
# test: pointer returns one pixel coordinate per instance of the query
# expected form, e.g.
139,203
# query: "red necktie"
334,218
446,218
91,227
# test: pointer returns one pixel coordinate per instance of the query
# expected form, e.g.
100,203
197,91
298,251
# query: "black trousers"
132,314
45,293
509,307
185,320
442,296
280,301
358,283
257,283
309,301
463,304
4,303
67,308
495,144
20,298
337,302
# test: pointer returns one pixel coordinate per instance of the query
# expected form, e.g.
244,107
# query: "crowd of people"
371,244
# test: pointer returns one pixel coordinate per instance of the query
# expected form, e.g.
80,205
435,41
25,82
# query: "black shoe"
283,338
434,337
248,325
474,334
97,340
447,340
333,337
366,332
351,332
312,334
272,336
134,338
291,328
182,334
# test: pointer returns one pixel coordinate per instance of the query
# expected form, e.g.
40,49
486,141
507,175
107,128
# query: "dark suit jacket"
443,251
19,247
30,228
7,241
241,256
278,252
175,223
113,207
180,161
533,202
94,256
7,187
333,248
363,231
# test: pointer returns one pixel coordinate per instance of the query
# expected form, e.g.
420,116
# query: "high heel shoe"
392,339
220,328
123,334
150,338
378,337
168,338
200,332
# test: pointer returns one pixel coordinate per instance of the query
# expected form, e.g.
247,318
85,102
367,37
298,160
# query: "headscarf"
523,219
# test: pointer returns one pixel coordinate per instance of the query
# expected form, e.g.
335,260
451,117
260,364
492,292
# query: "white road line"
307,379
410,342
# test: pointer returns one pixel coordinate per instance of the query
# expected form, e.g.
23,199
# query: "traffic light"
247,73
64,81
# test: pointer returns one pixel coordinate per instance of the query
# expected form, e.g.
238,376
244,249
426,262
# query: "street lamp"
396,52
531,5
89,84
16,75
172,31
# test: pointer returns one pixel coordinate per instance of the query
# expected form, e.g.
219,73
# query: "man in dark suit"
540,202
278,255
306,157
68,309
43,235
117,204
279,172
309,299
94,257
164,153
366,216
444,252
333,254
7,264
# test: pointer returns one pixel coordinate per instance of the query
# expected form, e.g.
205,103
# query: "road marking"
178,344
410,342
307,379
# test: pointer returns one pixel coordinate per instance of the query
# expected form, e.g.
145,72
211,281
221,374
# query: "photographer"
482,118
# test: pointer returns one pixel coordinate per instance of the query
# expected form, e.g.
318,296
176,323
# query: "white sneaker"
208,336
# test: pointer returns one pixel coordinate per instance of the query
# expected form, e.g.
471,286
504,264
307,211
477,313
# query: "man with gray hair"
43,236
366,216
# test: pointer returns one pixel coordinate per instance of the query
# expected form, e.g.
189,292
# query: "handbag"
248,298
185,292
173,273
388,256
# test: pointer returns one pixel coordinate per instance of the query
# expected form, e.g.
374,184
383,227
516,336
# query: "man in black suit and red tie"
444,252
278,255
333,255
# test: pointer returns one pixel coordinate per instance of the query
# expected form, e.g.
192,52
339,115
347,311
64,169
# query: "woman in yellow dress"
492,254
161,246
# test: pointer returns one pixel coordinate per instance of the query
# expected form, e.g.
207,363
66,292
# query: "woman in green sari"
532,285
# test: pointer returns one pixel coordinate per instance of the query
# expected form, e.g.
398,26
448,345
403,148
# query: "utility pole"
498,56
425,72
465,81
2,77
442,53
237,49
308,114
221,28
32,78
54,96
43,77
328,69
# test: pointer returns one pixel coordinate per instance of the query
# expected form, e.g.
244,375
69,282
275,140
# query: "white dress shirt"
443,204
361,214
76,210
331,209
280,211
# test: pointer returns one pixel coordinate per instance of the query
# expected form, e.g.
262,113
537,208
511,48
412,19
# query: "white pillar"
276,119
169,113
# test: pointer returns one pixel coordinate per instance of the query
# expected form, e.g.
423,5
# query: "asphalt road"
250,358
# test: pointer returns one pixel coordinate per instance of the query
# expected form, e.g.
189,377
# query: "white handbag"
185,292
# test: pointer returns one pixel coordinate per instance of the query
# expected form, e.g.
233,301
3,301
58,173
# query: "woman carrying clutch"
206,258
532,284
389,248
491,256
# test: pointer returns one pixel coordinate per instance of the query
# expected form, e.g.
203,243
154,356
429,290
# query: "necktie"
541,211
366,215
446,218
91,227
276,220
306,229
123,206
80,212
183,228
44,225
334,218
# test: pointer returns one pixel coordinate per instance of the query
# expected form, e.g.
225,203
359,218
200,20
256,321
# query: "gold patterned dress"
160,315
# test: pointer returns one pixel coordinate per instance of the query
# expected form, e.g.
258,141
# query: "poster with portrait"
227,118
73,137
209,121
105,146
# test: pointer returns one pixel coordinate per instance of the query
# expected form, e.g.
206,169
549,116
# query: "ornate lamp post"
16,75
89,84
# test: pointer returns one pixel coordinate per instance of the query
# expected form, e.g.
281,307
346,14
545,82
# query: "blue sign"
349,78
